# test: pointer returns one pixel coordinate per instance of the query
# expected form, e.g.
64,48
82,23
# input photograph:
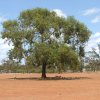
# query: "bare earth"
82,86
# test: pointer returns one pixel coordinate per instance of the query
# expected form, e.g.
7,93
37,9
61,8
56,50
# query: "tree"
94,59
44,31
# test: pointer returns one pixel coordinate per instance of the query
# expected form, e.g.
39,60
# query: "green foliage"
74,27
56,56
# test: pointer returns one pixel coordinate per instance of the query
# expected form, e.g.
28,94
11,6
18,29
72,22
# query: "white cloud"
2,19
93,42
96,19
96,35
4,48
60,13
91,11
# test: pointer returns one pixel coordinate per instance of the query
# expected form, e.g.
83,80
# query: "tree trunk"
43,70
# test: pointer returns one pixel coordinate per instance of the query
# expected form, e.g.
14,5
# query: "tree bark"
43,70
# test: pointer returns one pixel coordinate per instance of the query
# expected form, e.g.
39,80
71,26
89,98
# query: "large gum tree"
44,37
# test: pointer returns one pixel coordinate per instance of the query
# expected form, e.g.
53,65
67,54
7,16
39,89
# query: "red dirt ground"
32,89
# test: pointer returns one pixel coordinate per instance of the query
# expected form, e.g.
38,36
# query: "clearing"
73,86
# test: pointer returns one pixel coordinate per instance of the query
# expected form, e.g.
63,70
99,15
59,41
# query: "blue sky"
87,11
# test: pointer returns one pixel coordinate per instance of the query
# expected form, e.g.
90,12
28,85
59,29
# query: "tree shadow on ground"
51,78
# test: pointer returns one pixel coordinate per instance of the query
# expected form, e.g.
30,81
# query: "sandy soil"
82,86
